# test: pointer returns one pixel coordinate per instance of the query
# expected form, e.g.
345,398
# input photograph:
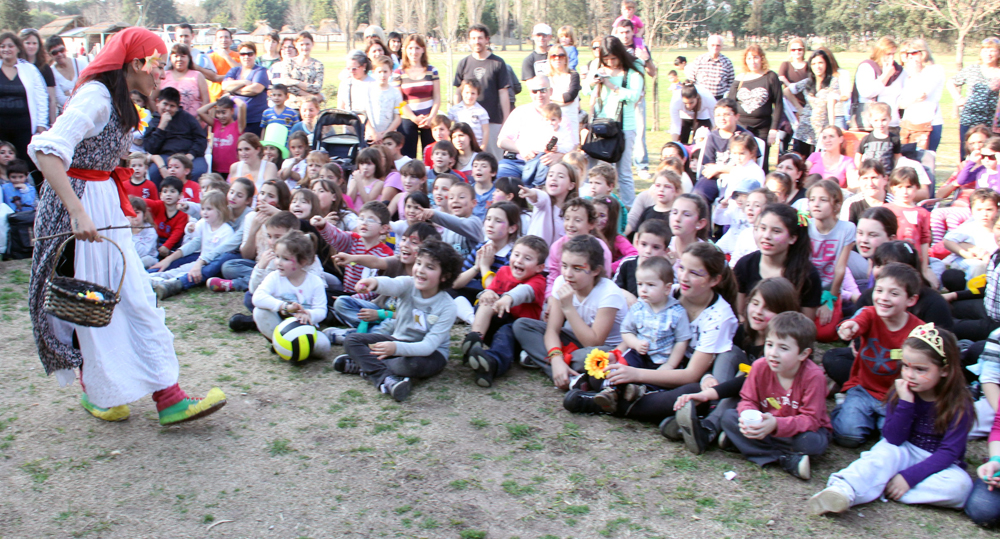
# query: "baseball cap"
745,185
541,28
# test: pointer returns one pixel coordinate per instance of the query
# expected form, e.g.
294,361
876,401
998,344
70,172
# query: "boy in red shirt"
516,291
180,166
882,329
788,392
167,217
138,185
440,130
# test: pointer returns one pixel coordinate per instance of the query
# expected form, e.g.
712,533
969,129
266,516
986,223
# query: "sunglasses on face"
990,156
54,52
796,50
911,53
246,53
557,56
539,90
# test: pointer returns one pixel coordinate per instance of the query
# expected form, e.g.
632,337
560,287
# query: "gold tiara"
929,334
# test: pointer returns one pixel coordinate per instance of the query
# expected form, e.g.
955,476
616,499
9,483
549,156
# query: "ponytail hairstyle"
779,296
954,402
898,251
690,91
610,230
300,245
704,212
512,186
590,247
716,265
513,215
798,266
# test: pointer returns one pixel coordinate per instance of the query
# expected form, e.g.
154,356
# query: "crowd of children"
698,308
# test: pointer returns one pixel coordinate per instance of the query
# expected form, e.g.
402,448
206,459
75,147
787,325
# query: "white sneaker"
829,500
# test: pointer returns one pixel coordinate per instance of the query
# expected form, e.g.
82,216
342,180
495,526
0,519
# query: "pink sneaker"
219,285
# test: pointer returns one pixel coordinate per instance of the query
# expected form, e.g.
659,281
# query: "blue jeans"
504,348
857,418
639,154
346,309
935,139
199,167
532,173
983,505
238,271
212,269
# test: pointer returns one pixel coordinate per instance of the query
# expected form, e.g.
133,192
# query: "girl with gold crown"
133,355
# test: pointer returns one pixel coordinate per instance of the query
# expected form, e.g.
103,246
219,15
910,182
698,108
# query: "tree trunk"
656,103
960,49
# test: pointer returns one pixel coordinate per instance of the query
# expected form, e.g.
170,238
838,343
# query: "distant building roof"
262,29
107,28
61,25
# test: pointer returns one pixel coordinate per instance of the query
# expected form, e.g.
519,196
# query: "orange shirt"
221,67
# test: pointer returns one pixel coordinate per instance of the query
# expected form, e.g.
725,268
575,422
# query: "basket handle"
62,246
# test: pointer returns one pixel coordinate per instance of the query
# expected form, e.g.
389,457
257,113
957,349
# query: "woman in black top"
758,92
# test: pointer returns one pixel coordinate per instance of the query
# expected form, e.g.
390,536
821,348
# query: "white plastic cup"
751,417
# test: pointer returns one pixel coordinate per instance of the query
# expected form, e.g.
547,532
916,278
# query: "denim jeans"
346,310
375,370
238,271
639,154
772,448
212,269
983,505
504,348
857,418
532,173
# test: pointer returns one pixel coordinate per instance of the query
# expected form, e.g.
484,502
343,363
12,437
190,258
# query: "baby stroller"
341,134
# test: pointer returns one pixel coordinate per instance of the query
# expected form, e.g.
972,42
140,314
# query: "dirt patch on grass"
303,451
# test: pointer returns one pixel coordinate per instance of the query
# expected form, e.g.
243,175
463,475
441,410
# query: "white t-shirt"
275,289
383,103
826,248
605,294
526,126
713,330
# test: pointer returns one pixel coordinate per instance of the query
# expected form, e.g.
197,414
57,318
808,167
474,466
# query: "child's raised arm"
470,227
368,261
203,114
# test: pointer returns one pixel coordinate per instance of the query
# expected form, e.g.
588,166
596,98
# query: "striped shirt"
352,243
417,93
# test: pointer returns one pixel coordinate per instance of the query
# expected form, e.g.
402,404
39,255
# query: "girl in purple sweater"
920,458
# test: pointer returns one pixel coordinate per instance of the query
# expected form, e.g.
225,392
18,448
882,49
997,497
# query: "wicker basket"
62,301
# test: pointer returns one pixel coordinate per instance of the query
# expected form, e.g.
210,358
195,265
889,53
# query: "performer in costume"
134,355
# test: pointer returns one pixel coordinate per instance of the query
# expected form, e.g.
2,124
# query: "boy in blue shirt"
278,94
19,194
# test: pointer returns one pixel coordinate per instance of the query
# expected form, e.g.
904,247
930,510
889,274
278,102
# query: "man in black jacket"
173,130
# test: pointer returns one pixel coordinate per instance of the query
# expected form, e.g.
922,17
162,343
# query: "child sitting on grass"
882,329
143,232
210,233
516,291
353,311
579,217
739,241
655,331
921,455
602,179
373,223
292,291
666,187
139,185
414,343
972,243
440,131
788,392
608,211
167,217
651,240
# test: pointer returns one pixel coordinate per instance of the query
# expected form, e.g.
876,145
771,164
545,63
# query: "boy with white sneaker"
786,392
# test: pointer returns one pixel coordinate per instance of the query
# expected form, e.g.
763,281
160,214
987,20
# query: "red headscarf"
123,47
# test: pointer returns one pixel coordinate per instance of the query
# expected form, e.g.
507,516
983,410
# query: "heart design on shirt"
751,99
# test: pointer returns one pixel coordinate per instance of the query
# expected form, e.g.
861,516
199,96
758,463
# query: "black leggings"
659,405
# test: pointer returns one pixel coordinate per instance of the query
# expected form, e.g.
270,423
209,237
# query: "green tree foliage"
272,11
14,14
155,12
41,18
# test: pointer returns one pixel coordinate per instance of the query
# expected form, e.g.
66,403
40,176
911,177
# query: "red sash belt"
120,175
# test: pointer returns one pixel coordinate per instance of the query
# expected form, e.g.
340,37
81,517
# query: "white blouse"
87,115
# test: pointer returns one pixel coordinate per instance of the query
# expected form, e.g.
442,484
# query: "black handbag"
606,139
